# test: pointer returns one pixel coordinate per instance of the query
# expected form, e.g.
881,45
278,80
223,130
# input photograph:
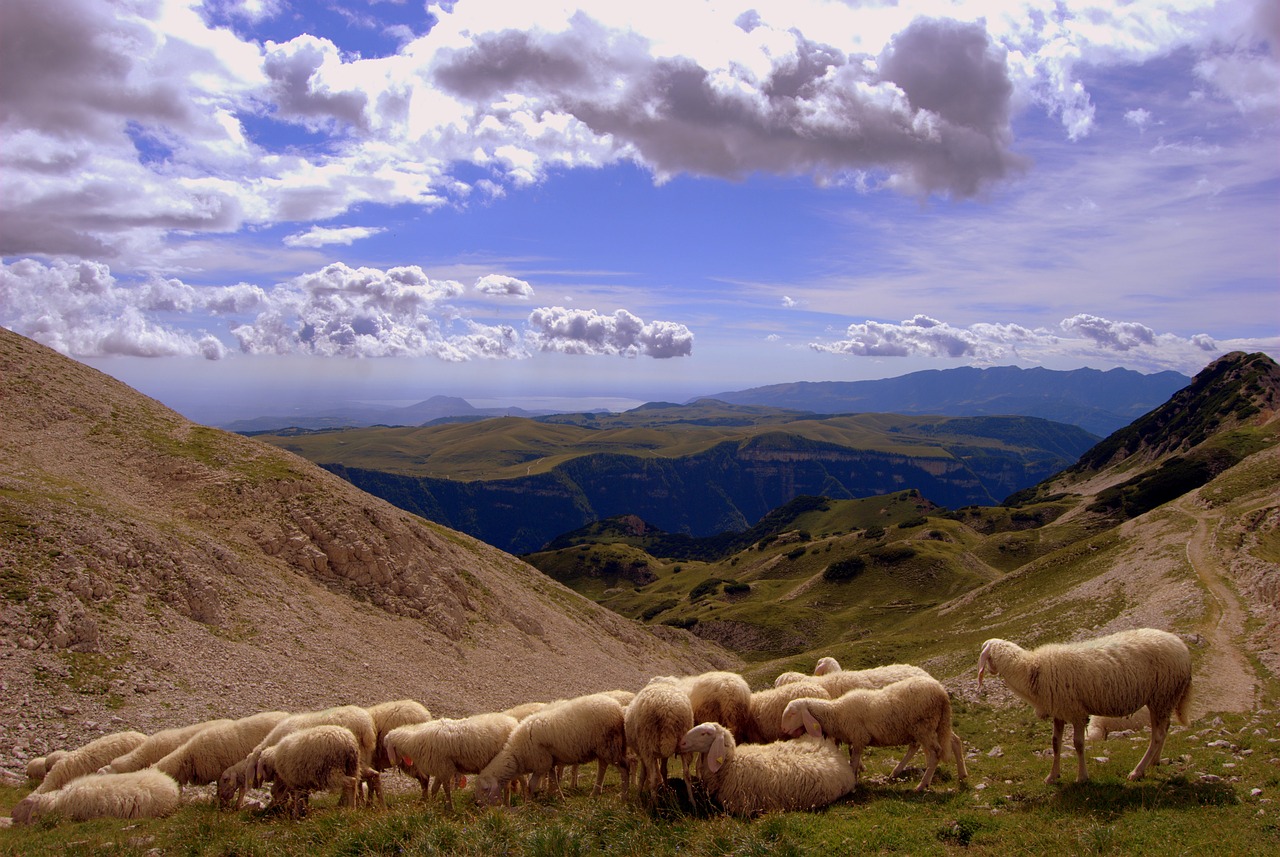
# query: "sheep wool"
308,760
138,794
88,758
790,775
435,753
915,711
204,756
719,697
655,721
1113,676
837,682
764,718
156,747
390,715
41,765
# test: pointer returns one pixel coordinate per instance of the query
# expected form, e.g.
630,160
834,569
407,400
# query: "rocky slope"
154,572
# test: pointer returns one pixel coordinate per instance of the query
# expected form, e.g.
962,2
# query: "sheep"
842,681
914,711
1113,676
719,697
88,759
204,757
309,759
41,765
390,715
791,775
523,710
442,749
826,665
357,719
654,723
139,794
789,678
566,733
765,709
156,747
1100,727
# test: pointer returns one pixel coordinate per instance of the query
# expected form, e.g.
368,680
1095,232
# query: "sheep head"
26,810
711,740
984,660
797,719
487,790
826,665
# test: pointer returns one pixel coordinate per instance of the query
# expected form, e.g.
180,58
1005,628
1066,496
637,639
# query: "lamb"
88,759
442,749
791,775
156,747
764,716
577,730
309,759
138,794
915,711
719,697
41,765
204,757
1113,676
390,715
655,721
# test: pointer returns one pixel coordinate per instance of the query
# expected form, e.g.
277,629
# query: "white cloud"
571,331
928,337
500,285
320,236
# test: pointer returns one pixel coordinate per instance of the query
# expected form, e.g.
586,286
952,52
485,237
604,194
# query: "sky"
242,206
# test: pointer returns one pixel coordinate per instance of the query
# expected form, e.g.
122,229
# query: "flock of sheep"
774,749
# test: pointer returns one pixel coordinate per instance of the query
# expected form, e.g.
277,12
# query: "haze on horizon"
263,203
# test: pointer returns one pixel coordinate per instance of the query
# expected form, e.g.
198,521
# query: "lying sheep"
390,715
310,759
138,794
435,753
764,713
41,765
655,721
790,775
1113,676
915,712
719,697
88,759
204,757
584,729
156,747
1100,726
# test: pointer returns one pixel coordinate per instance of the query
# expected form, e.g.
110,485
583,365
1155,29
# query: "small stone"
995,752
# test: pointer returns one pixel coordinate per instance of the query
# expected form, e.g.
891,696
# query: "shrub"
844,570
736,588
891,554
795,553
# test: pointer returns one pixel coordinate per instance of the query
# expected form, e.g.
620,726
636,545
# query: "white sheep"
390,715
156,747
915,711
204,757
719,697
1100,726
138,794
583,729
790,775
436,752
826,665
309,759
838,681
1113,675
765,709
524,709
88,758
41,765
655,721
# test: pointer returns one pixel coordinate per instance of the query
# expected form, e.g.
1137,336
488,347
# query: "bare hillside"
154,572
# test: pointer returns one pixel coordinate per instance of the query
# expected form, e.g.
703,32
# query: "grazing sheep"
138,794
764,717
719,697
309,759
156,747
88,758
434,753
842,681
790,775
390,715
41,765
914,711
1113,676
584,729
523,710
655,721
1100,726
204,757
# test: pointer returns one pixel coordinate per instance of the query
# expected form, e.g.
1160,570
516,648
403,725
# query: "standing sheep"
208,753
791,775
655,721
88,759
156,747
719,697
584,729
838,682
309,759
764,717
914,711
139,794
390,715
434,753
1113,676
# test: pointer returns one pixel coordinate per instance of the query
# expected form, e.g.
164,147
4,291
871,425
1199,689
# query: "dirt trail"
1226,678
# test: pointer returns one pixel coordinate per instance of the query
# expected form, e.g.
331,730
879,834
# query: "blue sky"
238,206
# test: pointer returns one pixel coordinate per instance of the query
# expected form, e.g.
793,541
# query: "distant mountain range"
357,414
1099,402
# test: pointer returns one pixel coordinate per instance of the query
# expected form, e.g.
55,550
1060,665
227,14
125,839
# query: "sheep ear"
811,724
715,755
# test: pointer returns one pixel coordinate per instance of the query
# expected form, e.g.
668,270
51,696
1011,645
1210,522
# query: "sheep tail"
1182,710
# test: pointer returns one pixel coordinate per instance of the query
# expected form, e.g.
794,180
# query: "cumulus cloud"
922,336
320,236
573,331
500,285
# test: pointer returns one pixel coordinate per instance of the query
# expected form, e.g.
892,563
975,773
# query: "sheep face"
826,665
709,739
985,661
796,720
25,811
487,790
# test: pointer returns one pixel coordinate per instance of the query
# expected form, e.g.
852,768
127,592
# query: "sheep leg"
1077,739
373,780
930,765
685,759
957,750
1159,730
906,757
601,767
1057,751
855,761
